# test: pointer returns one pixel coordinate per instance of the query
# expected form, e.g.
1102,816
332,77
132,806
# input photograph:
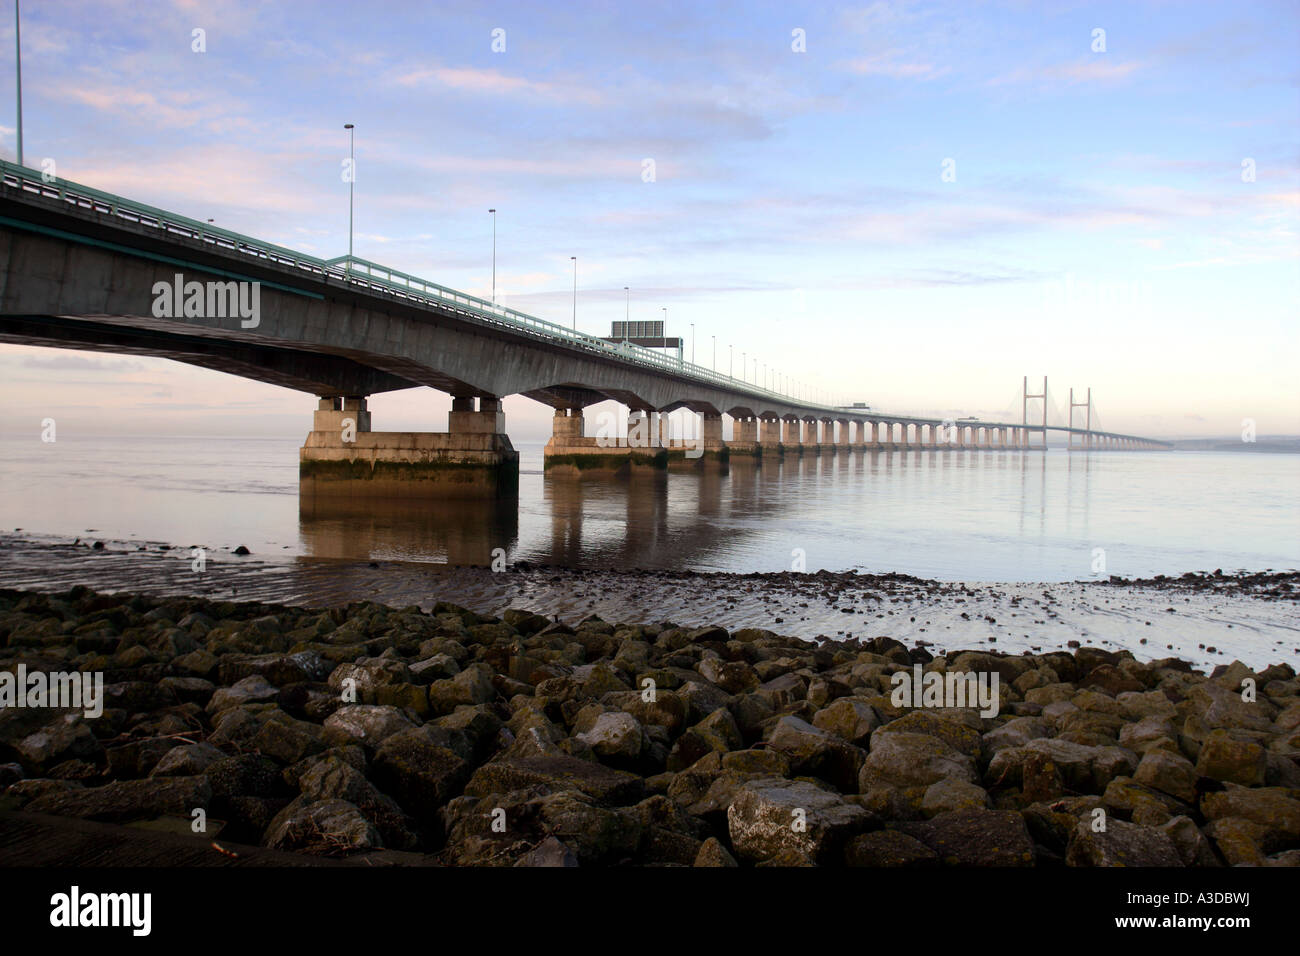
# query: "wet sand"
1204,619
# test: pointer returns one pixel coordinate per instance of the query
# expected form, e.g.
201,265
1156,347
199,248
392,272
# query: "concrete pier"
572,452
744,439
769,438
828,444
343,458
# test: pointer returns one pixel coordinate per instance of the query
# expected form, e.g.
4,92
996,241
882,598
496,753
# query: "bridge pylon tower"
1024,407
1085,440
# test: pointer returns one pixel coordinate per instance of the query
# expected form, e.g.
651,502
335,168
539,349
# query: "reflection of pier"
652,518
465,532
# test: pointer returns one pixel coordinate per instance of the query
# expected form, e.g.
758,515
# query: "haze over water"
956,516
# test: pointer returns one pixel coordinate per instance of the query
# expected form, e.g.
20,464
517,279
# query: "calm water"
957,516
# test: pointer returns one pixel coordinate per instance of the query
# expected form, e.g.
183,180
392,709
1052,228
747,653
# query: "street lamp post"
715,354
18,60
352,178
494,255
575,292
692,343
731,359
627,312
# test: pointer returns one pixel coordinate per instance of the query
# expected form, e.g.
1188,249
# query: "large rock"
848,718
1233,761
889,848
1169,773
769,816
325,828
244,775
616,737
332,778
288,740
367,724
126,800
550,852
720,732
596,834
254,689
912,760
66,737
976,838
734,677
1121,844
556,774
1221,708
416,768
278,669
713,854
959,729
950,794
1239,841
1192,845
816,753
1082,768
667,709
471,686
1014,733
1274,810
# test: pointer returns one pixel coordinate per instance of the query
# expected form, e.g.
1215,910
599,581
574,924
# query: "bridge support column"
572,453
791,442
744,438
842,443
343,458
332,412
828,443
769,430
809,441
705,449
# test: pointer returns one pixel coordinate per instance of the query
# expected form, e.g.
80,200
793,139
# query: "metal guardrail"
375,277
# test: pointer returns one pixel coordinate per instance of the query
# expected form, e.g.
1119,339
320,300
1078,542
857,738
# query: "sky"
913,205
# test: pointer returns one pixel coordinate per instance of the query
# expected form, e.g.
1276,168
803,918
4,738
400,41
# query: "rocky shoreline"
524,741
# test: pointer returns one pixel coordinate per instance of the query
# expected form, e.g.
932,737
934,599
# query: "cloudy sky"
909,204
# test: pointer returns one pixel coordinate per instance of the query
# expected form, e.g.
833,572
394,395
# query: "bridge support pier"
572,452
828,442
791,443
343,458
769,438
706,450
744,438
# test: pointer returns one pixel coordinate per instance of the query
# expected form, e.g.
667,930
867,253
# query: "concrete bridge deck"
85,269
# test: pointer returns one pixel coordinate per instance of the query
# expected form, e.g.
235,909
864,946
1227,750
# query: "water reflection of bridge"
652,519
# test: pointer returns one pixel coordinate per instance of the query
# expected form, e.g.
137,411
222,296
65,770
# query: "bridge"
85,269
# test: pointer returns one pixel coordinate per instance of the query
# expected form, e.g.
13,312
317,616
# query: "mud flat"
453,737
1206,619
